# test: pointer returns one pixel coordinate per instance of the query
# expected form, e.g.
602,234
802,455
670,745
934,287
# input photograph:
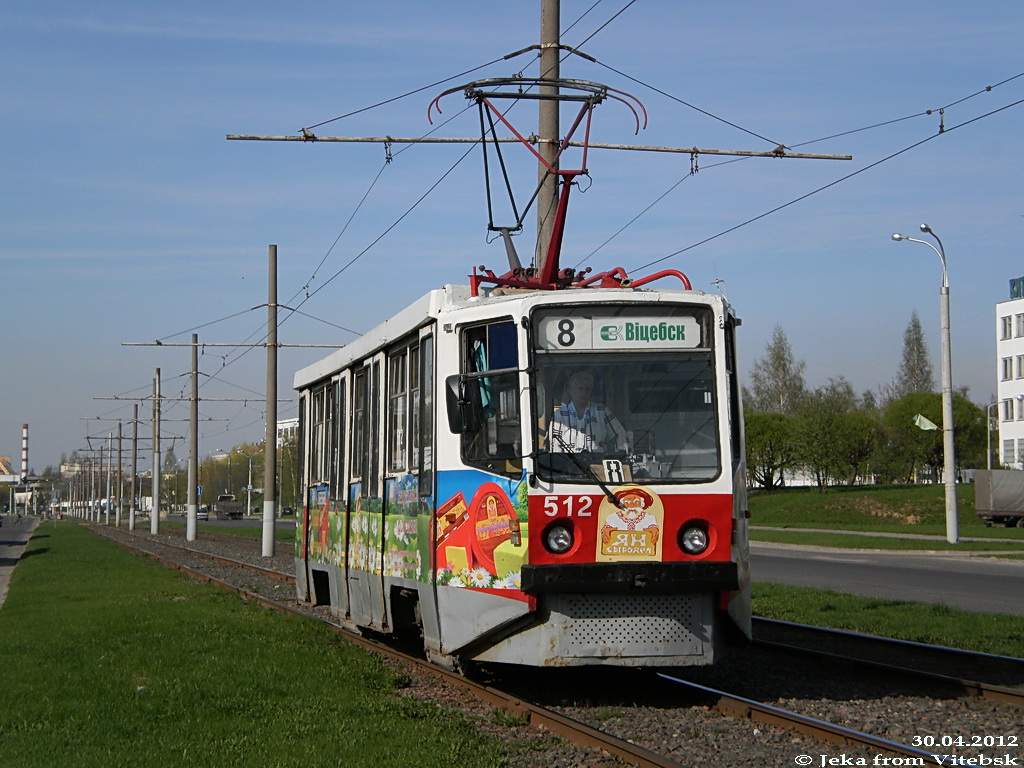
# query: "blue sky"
127,217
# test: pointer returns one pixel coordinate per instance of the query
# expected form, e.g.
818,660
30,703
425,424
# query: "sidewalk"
14,537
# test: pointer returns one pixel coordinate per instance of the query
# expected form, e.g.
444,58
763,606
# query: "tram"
541,468
456,484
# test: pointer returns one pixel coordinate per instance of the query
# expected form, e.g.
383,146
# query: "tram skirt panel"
621,630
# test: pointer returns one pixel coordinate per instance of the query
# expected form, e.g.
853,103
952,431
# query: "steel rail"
583,735
574,732
279,574
846,633
997,693
737,706
987,691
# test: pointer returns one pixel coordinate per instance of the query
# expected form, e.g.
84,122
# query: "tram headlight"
558,538
693,539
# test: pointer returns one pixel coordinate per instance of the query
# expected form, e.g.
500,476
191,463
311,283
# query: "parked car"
202,514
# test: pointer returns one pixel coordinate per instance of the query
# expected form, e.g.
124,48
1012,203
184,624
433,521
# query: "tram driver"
582,425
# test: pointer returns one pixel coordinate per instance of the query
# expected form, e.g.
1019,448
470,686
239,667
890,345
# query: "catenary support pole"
154,514
193,445
120,473
110,477
132,509
547,125
270,444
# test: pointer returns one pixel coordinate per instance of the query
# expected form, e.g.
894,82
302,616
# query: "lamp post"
248,489
988,424
948,449
228,454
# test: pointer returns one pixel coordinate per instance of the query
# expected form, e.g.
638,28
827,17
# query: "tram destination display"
618,332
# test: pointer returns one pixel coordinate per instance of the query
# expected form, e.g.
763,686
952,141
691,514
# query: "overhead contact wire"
830,184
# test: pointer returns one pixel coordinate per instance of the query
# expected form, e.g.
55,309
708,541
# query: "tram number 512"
575,506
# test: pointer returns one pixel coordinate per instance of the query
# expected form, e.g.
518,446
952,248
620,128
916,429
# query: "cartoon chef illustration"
632,528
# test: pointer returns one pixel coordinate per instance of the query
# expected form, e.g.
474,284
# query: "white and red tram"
545,477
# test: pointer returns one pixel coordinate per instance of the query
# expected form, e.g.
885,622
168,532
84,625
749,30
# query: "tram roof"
452,297
391,330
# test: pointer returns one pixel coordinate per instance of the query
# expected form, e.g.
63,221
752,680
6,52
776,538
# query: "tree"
777,379
915,373
860,436
771,447
909,448
822,429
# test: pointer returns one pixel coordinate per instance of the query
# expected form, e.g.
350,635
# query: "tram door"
365,521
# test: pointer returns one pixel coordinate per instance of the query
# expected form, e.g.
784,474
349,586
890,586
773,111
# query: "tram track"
575,732
983,674
568,722
866,651
737,706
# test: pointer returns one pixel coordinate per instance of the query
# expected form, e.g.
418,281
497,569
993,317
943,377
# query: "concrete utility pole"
270,445
110,475
193,445
547,126
948,444
120,474
135,466
154,515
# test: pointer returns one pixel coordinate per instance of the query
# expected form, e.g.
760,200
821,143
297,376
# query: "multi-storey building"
1010,376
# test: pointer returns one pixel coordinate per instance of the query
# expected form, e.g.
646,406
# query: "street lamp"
248,489
988,424
228,454
948,449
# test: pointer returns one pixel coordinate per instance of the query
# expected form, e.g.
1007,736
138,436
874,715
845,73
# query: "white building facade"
1010,377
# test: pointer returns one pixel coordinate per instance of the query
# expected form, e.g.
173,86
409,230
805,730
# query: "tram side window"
327,471
398,412
359,425
339,434
492,439
735,417
403,409
319,439
303,451
425,446
371,483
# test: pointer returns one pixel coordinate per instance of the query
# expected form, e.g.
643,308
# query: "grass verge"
111,660
937,624
919,509
854,540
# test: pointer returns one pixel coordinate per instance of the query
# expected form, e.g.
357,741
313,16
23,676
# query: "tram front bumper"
631,578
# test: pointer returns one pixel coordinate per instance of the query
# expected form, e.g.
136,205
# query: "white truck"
999,496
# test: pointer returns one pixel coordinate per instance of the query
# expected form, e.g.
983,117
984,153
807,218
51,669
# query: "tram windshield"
625,394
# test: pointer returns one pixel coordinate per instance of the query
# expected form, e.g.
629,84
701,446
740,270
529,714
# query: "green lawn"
903,509
1001,634
111,660
918,509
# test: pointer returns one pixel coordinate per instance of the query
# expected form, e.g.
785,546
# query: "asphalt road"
14,535
971,583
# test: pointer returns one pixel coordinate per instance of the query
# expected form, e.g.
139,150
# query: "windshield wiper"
588,471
